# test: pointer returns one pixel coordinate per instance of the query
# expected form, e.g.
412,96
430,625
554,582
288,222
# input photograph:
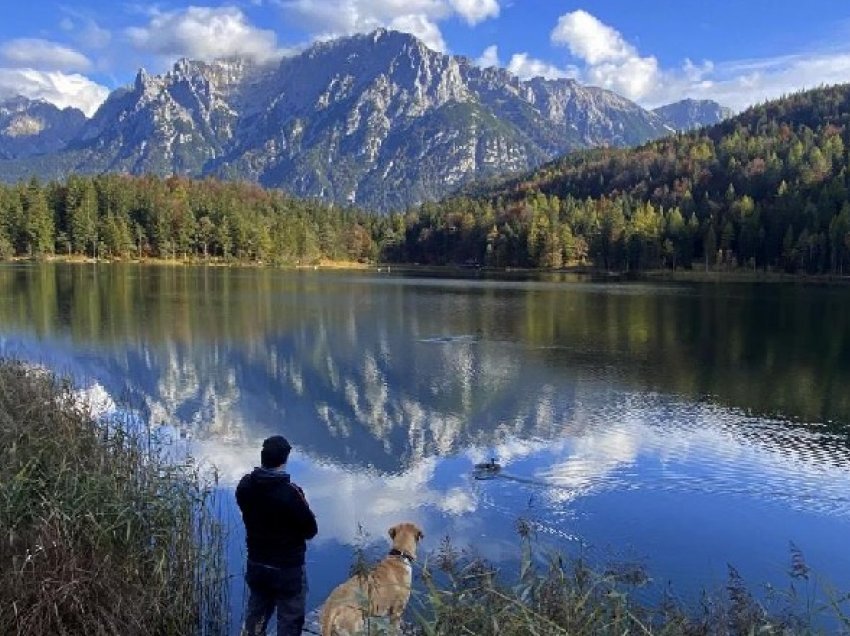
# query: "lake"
681,425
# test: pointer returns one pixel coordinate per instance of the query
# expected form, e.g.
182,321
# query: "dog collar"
404,555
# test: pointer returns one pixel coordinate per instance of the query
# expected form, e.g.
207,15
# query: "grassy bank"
99,533
553,596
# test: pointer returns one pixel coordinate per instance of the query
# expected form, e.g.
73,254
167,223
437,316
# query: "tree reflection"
383,371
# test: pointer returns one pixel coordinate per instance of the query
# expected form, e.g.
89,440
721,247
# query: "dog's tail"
328,620
340,620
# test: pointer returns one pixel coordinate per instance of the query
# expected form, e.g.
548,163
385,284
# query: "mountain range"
379,121
29,127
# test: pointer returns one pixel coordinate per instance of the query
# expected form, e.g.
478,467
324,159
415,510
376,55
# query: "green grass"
100,533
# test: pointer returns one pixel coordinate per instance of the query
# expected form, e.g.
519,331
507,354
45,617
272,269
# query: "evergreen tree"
82,207
710,247
39,226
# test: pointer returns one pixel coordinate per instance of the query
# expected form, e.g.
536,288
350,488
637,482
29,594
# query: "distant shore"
209,262
697,275
741,276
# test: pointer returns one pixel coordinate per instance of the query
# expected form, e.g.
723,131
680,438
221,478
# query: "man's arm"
304,516
241,494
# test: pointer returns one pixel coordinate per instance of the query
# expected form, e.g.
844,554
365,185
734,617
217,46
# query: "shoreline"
653,275
189,262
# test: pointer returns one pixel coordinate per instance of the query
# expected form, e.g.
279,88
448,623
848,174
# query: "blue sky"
653,51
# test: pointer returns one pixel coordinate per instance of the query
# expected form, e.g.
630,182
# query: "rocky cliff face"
376,120
30,127
173,123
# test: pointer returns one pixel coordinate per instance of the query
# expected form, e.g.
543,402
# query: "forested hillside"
176,218
767,189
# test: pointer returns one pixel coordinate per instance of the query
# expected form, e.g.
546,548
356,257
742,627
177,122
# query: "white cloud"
490,57
43,55
696,72
41,69
475,11
526,67
635,77
204,33
589,39
359,16
744,83
323,19
55,87
422,28
610,61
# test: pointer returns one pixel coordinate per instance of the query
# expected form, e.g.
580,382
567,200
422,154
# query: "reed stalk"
101,533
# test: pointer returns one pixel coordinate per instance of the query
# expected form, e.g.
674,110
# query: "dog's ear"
392,532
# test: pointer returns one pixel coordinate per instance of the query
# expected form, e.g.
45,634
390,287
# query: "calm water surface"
686,426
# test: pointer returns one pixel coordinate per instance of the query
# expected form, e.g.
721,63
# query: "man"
278,523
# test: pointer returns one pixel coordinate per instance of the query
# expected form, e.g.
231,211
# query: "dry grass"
465,596
99,532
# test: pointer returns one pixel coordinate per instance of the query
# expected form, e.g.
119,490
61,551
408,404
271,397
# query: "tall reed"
100,532
465,595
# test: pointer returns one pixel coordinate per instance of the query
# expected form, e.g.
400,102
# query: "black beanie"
275,451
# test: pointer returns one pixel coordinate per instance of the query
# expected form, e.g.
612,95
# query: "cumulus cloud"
635,77
41,54
611,62
55,87
589,39
422,28
41,69
475,11
324,19
526,67
490,57
204,33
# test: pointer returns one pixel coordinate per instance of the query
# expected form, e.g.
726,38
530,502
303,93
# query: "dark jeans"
284,589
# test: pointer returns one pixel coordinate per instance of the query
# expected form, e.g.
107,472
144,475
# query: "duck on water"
487,470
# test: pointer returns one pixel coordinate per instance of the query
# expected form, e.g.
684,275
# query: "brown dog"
383,592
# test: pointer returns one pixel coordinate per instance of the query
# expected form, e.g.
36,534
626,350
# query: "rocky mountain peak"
31,127
143,79
17,104
688,114
378,120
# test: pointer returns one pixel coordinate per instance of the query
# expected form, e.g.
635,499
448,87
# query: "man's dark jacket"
278,520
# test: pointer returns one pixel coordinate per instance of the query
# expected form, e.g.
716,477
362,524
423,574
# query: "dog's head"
406,536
